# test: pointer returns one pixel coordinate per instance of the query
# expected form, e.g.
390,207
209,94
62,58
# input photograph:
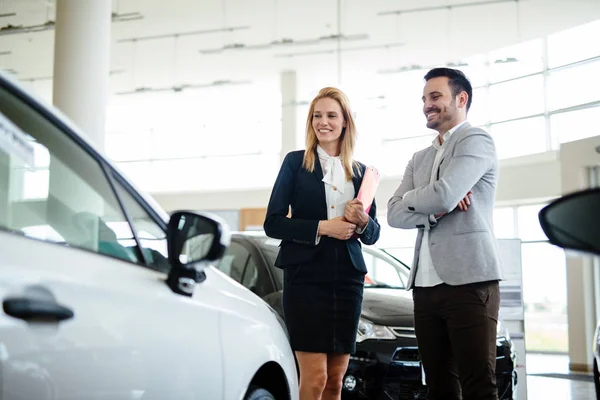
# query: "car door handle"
30,309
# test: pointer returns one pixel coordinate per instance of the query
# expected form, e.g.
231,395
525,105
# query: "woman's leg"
337,364
313,374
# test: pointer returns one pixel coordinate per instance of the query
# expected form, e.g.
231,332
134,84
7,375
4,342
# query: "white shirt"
338,191
426,273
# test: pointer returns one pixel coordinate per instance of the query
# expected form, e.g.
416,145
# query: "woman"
320,253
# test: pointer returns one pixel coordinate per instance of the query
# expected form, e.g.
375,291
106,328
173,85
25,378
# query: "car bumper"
382,369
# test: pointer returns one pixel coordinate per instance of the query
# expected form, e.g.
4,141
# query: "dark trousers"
456,334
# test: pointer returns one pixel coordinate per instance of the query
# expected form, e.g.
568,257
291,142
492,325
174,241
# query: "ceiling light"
189,33
445,7
344,50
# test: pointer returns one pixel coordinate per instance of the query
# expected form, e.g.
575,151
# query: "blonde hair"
347,138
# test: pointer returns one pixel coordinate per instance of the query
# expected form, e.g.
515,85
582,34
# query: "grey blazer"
462,243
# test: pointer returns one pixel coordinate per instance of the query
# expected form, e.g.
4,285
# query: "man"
447,192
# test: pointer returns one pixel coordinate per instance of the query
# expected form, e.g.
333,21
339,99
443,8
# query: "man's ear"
463,98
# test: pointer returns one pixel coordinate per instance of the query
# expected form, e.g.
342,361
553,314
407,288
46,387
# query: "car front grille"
405,390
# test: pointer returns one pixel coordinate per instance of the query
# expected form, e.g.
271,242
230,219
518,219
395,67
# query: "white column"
288,112
82,62
80,91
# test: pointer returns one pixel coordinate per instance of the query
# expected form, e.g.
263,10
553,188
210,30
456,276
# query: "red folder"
368,187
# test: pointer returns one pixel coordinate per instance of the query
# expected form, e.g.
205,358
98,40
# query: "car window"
250,274
151,236
381,271
257,278
52,189
234,261
270,249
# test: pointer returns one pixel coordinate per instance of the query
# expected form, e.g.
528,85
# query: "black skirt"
322,300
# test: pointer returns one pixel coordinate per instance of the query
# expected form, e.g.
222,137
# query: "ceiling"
200,42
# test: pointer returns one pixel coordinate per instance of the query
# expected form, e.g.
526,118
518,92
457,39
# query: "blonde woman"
320,251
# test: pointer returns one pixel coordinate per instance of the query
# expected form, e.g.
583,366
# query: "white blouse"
338,191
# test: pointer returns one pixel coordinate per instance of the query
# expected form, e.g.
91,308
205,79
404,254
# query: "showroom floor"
548,377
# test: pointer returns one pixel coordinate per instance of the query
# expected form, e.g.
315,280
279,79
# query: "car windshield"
384,271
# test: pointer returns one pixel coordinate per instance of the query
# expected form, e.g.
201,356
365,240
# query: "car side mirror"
573,221
193,240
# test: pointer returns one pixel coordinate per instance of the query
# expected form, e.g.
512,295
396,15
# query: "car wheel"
596,380
256,393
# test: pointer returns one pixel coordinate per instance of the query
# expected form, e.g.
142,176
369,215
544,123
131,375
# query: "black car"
386,363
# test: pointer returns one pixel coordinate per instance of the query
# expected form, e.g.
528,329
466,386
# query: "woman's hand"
337,228
355,213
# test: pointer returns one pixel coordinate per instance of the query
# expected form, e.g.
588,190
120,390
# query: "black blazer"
305,192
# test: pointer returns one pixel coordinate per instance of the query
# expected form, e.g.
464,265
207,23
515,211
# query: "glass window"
545,304
573,86
177,175
504,223
394,237
35,183
151,236
479,113
403,114
476,70
76,207
213,173
270,249
518,98
529,223
250,277
396,154
215,121
517,60
574,44
234,261
529,133
381,271
257,278
405,254
237,172
574,125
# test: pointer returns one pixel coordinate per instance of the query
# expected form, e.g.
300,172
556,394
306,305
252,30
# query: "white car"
106,297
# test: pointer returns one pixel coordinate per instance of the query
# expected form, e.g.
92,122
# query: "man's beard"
443,117
440,120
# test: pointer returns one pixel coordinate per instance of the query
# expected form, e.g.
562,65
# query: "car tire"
596,380
256,393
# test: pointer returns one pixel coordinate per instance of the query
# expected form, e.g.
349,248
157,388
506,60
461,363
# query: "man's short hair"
456,79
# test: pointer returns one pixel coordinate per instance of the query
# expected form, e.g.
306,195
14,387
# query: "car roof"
255,236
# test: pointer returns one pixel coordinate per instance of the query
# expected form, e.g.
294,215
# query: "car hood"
388,307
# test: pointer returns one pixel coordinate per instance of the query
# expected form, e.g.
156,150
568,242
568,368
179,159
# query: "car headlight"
368,330
501,331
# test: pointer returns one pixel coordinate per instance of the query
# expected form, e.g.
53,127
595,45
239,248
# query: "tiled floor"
548,377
